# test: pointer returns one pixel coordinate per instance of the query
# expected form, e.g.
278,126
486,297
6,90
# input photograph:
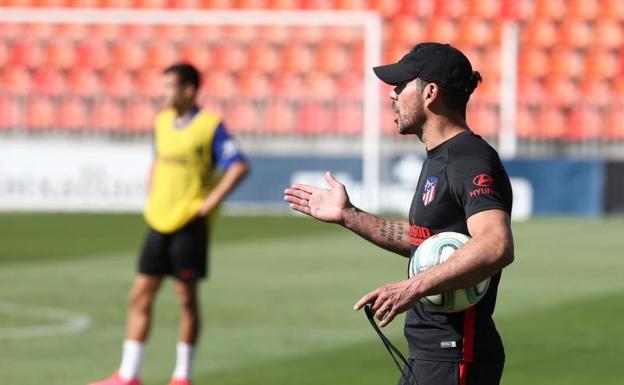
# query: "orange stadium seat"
520,10
387,120
171,32
530,92
161,54
276,34
575,33
584,9
228,57
395,51
307,34
539,33
212,105
475,32
488,92
316,4
419,8
313,118
147,82
84,82
279,118
49,3
150,3
60,54
197,53
26,53
617,89
490,65
72,115
288,86
138,32
240,34
485,9
551,123
117,3
284,4
351,87
242,117
350,5
251,4
586,123
601,63
608,34
4,54
561,91
263,57
40,114
566,62
442,30
105,31
127,54
348,119
525,123
331,58
10,31
84,3
219,84
613,9
207,33
38,31
254,86
106,116
16,80
533,62
403,29
356,58
10,116
614,128
219,4
319,87
344,34
93,54
139,116
117,83
71,31
483,120
596,92
297,58
49,82
550,9
386,9
451,9
184,4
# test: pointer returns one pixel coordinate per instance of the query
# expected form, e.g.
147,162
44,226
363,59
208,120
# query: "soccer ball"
434,251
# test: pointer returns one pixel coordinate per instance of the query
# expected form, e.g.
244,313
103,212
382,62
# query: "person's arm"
488,252
234,174
333,205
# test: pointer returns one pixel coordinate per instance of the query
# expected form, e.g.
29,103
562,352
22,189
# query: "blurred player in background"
463,187
197,164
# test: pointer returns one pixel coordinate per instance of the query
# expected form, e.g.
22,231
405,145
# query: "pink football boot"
116,380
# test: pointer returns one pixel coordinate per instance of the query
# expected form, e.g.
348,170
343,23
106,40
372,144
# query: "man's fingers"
304,187
388,318
302,209
331,180
297,201
368,298
297,193
383,309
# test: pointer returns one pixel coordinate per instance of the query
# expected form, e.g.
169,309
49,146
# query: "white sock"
184,361
131,360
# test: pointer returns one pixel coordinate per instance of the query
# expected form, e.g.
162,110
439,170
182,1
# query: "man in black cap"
463,187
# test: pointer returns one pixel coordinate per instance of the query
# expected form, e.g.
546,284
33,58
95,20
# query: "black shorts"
453,373
182,254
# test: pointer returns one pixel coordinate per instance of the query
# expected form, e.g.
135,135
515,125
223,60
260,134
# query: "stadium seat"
586,123
533,62
219,84
288,86
279,118
105,116
351,86
561,91
171,32
84,3
138,32
388,127
348,119
608,34
84,82
197,53
575,33
296,58
38,31
445,30
551,123
450,9
350,5
184,4
253,86
219,4
92,54
488,92
10,115
596,92
525,123
319,87
475,55
403,29
60,54
395,51
612,9
331,58
147,82
71,31
530,91
139,116
386,9
583,9
262,57
10,31
284,4
614,127
127,54
423,9
72,115
601,63
228,57
251,4
475,32
117,3
314,119
344,34
49,82
205,33
356,58
306,34
540,33
107,32
117,83
275,34
316,4
26,53
240,34
4,54
491,61
483,120
213,105
550,9
617,89
242,117
40,114
150,4
49,3
16,81
161,54
485,9
566,62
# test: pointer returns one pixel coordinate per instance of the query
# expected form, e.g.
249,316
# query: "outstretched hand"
325,204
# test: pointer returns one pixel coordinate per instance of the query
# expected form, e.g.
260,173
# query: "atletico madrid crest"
429,192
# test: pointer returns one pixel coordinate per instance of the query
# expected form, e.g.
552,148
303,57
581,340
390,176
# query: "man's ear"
431,92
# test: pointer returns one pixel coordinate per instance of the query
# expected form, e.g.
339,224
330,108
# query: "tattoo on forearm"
391,231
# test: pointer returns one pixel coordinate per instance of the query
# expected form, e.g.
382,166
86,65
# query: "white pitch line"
64,321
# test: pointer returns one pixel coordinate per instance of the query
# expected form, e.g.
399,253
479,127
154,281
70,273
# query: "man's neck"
441,129
185,111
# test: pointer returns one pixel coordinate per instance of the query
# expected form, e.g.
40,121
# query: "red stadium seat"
38,31
490,67
219,85
219,4
242,117
575,33
475,55
525,123
530,92
584,9
105,31
386,9
84,82
533,62
419,8
284,4
276,34
356,57
601,63
475,32
251,4
613,9
240,34
617,88
488,92
450,9
307,34
205,33
117,83
483,120
40,114
150,3
4,54
10,31
262,57
313,118
84,3
171,32
92,54
288,86
297,58
184,4
444,30
161,54
586,123
539,33
561,91
279,118
26,53
350,5
344,34
395,51
551,123
147,82
127,54
72,115
388,127
138,32
139,116
332,59
614,127
485,9
521,10
550,9
316,4
348,119
319,87
254,86
351,87
228,57
49,82
608,34
105,116
566,62
60,54
596,92
197,53
49,3
117,3
403,29
10,115
16,81
71,31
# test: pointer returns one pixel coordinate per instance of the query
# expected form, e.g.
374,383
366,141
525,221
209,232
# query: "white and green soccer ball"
434,251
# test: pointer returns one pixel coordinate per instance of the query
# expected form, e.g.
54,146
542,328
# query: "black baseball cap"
436,63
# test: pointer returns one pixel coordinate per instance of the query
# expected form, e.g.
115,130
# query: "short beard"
411,122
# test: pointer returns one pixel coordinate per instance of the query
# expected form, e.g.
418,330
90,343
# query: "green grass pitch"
278,305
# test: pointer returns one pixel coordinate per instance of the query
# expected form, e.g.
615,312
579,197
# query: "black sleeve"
479,182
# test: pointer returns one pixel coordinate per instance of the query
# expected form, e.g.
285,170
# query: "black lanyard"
391,348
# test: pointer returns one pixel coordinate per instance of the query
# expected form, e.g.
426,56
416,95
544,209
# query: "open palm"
324,204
